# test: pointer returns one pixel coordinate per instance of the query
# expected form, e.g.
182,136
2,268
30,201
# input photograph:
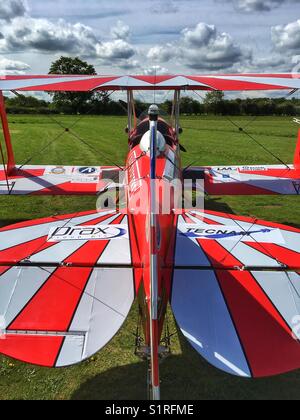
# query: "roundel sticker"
87,170
59,170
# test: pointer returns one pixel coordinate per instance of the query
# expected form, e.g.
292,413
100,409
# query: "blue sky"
142,36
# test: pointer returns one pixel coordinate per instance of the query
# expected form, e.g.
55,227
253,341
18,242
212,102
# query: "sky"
148,37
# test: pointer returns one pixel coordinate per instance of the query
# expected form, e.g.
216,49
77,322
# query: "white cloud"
10,9
250,6
120,31
12,67
42,35
165,7
286,38
27,33
129,65
115,50
155,70
162,53
202,48
200,35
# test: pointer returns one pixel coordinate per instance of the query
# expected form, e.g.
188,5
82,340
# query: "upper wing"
231,82
63,295
236,292
248,180
59,180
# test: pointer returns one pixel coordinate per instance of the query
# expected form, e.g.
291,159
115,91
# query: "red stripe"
68,188
32,349
53,306
267,339
153,240
217,255
232,188
134,242
22,251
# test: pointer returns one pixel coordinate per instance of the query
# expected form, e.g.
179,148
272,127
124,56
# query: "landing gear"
144,353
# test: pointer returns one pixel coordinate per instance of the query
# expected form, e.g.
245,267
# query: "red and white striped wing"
237,299
253,180
58,180
248,180
235,82
61,302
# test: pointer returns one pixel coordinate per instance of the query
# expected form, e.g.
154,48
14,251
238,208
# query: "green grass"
115,373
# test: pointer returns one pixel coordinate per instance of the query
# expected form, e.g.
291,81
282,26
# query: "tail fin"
297,153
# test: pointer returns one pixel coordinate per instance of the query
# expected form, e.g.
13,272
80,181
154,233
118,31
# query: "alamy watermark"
172,196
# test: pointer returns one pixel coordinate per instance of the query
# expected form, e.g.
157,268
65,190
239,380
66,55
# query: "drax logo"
87,233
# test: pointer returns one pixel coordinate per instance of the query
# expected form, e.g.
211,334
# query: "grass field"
115,373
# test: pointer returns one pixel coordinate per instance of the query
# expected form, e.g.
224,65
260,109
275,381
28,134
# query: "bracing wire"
251,137
70,130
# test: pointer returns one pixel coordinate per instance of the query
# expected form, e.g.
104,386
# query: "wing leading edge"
230,82
236,293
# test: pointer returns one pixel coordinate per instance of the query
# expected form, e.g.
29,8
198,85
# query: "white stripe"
191,338
102,310
231,366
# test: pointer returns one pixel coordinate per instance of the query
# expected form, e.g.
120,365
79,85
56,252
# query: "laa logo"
88,233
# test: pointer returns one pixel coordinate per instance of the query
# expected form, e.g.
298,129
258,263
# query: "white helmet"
146,143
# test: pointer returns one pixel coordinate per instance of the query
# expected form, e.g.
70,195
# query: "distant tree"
214,102
75,102
167,106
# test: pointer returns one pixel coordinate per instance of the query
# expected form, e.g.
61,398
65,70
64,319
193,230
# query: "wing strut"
10,153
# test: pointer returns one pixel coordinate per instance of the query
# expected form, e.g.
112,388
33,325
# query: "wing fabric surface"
59,180
236,295
62,301
234,82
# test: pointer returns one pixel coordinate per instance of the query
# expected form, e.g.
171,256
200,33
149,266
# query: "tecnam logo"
217,232
88,233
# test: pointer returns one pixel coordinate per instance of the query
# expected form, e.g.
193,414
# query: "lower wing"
64,295
58,180
247,180
236,292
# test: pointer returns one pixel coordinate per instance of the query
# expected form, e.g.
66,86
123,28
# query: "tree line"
100,103
105,106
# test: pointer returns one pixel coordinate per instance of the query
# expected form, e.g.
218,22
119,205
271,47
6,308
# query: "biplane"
67,283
